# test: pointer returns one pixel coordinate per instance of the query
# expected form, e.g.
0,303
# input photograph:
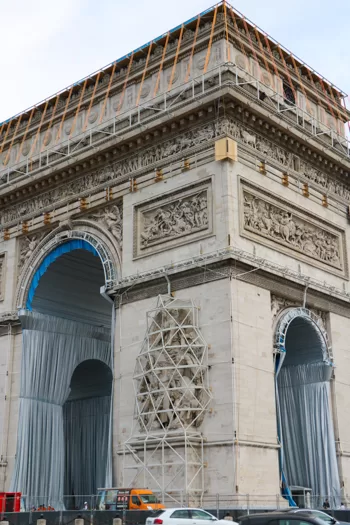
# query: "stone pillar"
255,432
339,334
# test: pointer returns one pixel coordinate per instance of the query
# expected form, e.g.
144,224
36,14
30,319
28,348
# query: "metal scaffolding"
226,74
270,68
165,450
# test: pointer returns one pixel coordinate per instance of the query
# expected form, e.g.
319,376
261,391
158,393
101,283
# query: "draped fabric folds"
307,429
86,422
52,349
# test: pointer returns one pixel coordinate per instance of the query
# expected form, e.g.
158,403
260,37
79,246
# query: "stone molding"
183,216
187,143
8,317
109,218
99,179
278,224
278,304
287,284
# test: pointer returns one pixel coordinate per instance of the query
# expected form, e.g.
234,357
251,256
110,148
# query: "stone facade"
238,240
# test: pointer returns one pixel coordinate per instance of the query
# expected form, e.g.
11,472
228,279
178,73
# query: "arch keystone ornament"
172,396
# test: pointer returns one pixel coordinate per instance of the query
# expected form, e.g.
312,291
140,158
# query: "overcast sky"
48,44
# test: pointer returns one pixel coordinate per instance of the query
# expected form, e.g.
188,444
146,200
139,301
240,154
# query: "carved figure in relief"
248,138
172,390
184,216
283,226
111,217
27,248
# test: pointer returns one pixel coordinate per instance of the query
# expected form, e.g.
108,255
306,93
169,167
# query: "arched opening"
66,380
303,373
70,288
86,415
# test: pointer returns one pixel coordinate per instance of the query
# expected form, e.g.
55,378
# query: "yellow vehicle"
127,499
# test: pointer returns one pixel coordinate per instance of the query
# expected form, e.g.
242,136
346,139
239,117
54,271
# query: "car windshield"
148,498
111,496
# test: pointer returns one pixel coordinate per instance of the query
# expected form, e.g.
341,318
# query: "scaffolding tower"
172,396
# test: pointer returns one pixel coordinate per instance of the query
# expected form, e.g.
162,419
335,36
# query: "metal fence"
213,502
218,504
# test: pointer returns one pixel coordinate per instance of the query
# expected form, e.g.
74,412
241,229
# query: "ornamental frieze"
149,158
278,224
180,217
272,151
99,178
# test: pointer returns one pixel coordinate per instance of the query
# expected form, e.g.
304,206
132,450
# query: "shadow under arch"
86,418
304,414
66,323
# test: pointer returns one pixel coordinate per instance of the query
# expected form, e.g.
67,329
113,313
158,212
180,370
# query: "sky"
46,45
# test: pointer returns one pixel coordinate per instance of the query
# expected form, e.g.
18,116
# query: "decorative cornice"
190,142
213,91
121,286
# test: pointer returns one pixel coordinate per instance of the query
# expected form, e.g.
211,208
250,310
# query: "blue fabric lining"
69,246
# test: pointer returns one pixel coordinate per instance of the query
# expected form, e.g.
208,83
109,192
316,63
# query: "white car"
185,516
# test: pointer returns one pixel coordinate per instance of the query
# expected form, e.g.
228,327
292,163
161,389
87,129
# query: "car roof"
297,509
273,516
187,508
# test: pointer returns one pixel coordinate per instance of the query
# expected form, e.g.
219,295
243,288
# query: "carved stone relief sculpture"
27,246
111,218
170,376
148,157
182,215
286,226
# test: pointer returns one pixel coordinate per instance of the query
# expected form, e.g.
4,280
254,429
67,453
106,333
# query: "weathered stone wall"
339,329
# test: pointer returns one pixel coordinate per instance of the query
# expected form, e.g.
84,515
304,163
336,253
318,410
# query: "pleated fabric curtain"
309,454
86,423
52,348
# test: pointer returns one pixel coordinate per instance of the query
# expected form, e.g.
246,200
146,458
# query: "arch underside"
67,289
308,454
63,414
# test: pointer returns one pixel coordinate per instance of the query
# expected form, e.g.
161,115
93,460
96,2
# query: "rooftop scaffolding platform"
33,139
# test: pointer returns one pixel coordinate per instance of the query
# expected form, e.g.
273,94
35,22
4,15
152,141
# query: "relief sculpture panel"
181,217
290,230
